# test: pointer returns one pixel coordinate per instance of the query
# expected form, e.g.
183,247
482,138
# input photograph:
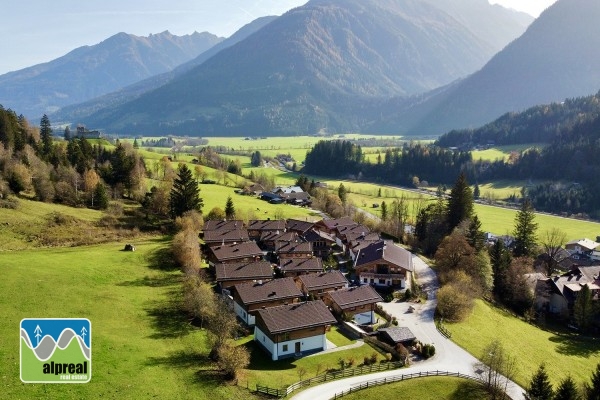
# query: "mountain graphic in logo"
56,350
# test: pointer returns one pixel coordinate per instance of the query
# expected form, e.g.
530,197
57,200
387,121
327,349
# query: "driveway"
448,355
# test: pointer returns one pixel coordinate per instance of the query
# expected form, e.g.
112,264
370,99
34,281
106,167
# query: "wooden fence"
440,327
329,376
403,377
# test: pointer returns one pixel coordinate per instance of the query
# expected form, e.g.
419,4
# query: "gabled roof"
362,236
352,229
585,243
323,280
385,250
213,225
216,236
298,225
267,224
398,334
243,270
277,289
314,235
278,236
313,264
293,247
235,251
296,316
288,189
338,222
355,296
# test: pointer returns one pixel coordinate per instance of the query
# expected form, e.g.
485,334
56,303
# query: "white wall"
260,337
317,342
240,312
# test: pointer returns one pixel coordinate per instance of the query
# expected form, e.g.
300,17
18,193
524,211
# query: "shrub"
388,357
373,358
366,360
407,294
350,362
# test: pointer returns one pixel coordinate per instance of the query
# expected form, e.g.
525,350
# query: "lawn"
339,338
502,152
530,345
142,345
433,388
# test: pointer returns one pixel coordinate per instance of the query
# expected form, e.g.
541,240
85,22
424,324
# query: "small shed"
396,334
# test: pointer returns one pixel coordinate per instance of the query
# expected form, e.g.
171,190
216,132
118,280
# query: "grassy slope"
562,353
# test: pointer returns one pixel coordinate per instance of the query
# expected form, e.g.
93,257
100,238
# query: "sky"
38,31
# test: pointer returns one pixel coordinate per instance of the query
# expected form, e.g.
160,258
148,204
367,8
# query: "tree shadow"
169,320
156,281
576,346
162,259
469,390
260,360
181,359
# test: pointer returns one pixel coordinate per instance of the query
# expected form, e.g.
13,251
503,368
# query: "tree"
198,298
525,230
454,254
455,299
46,137
539,387
552,241
135,144
186,249
583,309
342,193
474,234
567,390
216,213
229,209
592,389
100,196
256,159
460,202
222,326
67,133
498,369
384,211
231,359
476,192
500,259
185,195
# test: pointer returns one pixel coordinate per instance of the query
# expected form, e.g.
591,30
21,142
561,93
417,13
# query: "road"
448,355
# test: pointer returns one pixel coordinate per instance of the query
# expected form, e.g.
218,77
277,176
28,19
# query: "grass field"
502,152
531,346
434,388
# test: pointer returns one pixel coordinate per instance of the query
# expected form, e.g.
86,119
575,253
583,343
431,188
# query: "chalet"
255,189
383,263
268,240
231,253
316,285
223,237
288,189
250,297
298,226
293,329
563,290
330,225
395,335
356,245
357,302
229,275
258,227
299,199
222,225
271,197
286,250
581,247
342,233
322,242
300,266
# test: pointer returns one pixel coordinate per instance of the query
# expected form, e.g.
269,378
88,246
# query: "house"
235,252
296,198
316,285
330,225
358,302
356,245
383,263
250,297
223,237
293,329
563,290
268,240
286,250
271,197
258,227
300,266
229,275
288,189
222,225
581,247
254,189
395,335
298,226
322,242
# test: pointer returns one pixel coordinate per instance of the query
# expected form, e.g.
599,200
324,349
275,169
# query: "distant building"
84,133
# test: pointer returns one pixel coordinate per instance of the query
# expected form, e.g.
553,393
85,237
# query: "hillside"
92,71
74,113
556,58
314,69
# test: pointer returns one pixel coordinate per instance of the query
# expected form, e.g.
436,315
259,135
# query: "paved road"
449,356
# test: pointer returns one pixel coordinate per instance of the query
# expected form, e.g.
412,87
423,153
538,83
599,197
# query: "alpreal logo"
56,350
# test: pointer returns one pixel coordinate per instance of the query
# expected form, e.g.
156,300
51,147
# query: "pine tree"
460,203
185,195
567,390
475,235
135,144
100,197
540,387
592,390
476,192
46,137
229,209
342,193
384,211
525,230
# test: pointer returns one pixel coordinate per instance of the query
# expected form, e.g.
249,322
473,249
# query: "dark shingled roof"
334,223
243,270
323,280
284,288
293,247
237,235
398,334
352,229
355,296
278,236
235,251
315,235
296,316
313,264
267,224
299,226
216,225
385,250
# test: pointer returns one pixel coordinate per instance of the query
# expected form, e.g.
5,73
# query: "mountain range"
91,71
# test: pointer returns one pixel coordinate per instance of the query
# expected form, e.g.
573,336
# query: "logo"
56,350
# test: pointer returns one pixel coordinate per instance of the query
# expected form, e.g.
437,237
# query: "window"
285,347
382,281
365,280
285,336
372,280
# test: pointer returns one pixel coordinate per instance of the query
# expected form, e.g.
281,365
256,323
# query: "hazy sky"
37,31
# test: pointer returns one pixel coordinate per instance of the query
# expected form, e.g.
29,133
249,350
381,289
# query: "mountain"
77,112
318,67
91,71
556,58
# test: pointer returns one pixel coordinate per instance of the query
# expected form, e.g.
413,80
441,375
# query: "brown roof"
243,270
215,225
323,280
267,224
296,316
313,264
355,296
398,334
334,223
278,236
293,247
299,226
385,250
362,236
277,289
349,229
315,235
235,251
216,236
